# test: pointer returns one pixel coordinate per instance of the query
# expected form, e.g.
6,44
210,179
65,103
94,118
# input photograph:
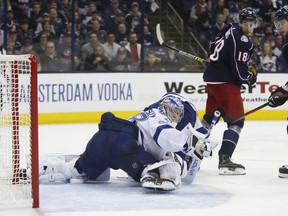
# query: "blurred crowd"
107,35
266,40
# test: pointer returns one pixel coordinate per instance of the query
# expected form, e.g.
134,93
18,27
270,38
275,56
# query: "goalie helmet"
248,14
173,108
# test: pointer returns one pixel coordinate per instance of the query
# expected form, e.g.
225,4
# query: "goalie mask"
172,108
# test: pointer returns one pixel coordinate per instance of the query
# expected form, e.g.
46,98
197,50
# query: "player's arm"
241,47
279,96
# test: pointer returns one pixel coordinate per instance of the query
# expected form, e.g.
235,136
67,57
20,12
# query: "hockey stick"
229,119
196,160
181,52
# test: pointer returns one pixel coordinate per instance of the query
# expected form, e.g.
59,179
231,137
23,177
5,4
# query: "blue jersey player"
227,70
280,95
281,25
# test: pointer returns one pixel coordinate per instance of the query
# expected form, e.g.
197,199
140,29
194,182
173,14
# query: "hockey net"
18,131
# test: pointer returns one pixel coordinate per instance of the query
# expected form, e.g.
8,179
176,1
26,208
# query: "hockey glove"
253,78
278,97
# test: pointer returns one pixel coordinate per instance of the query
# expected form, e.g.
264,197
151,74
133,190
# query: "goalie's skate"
158,184
227,167
283,171
52,175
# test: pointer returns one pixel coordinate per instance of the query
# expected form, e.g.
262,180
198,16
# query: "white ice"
263,148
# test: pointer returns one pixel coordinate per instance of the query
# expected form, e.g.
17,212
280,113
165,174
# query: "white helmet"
173,108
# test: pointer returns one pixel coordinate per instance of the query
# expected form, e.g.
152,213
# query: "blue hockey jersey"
229,55
284,57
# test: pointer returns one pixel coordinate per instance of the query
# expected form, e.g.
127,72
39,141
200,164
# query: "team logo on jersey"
244,38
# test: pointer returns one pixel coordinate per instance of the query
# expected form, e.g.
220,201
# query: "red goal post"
19,181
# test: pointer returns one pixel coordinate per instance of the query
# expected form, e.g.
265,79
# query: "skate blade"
283,175
227,171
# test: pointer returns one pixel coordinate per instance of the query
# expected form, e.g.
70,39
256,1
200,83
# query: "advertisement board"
85,96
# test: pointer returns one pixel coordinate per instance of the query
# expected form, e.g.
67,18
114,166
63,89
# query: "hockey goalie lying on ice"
156,147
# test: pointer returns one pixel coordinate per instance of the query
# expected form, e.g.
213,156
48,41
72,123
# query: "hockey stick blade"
158,34
181,52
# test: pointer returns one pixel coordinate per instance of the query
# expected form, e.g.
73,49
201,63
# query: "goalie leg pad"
164,175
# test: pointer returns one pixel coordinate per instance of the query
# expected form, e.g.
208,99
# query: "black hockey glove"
253,78
278,97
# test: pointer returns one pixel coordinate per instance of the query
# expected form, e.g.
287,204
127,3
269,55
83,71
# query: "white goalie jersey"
157,134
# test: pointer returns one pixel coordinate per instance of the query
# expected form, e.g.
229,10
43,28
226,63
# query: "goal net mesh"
15,131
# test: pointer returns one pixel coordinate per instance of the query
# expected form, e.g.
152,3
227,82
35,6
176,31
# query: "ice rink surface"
263,148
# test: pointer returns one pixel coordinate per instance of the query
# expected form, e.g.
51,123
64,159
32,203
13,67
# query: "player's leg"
229,97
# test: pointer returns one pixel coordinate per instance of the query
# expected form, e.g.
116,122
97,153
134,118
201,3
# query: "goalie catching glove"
279,96
198,144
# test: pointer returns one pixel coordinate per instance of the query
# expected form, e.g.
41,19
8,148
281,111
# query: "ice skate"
227,167
283,171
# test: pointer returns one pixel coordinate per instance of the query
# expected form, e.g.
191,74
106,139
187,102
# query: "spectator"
65,44
40,45
219,26
159,49
12,23
268,10
111,13
58,23
152,63
134,49
96,16
202,26
35,15
254,59
268,37
91,9
50,59
121,62
269,62
88,48
227,18
12,36
260,29
122,34
48,30
97,61
277,50
1,39
119,19
148,36
110,47
220,5
11,50
25,32
172,60
133,17
21,8
26,48
65,61
196,10
95,28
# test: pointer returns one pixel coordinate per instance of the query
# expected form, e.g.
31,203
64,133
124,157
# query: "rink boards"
83,97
